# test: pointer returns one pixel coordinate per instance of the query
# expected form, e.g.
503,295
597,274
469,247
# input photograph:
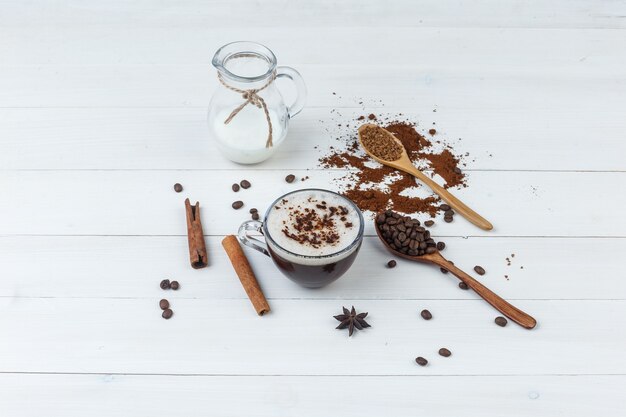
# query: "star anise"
351,320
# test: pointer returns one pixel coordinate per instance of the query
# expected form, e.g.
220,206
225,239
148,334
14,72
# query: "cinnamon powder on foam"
375,187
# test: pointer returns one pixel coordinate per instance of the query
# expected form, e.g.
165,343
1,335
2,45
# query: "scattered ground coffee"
374,187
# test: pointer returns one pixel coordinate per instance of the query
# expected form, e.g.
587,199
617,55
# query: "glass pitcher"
248,118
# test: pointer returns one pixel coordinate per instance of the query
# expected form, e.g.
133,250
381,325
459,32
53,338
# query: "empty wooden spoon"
512,312
403,163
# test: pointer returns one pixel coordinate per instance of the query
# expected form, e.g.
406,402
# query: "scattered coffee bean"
443,270
441,245
164,304
391,264
444,207
235,187
165,284
429,223
444,352
448,219
253,210
479,270
167,314
421,361
178,188
237,204
245,184
501,321
255,216
426,315
175,285
463,286
290,178
457,170
449,213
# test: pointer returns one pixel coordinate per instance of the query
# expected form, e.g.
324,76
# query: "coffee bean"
255,216
175,285
441,245
178,188
237,204
444,352
463,286
167,314
443,270
429,223
290,178
479,270
253,210
235,187
245,184
448,213
426,315
165,284
447,219
501,321
457,170
392,263
401,236
430,250
421,361
164,304
444,207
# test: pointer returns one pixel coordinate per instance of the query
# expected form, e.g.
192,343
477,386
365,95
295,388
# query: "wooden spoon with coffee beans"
512,312
392,153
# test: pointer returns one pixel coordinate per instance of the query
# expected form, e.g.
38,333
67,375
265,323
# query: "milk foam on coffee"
313,223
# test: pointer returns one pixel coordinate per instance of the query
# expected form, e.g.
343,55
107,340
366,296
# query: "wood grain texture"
518,203
184,396
102,110
226,337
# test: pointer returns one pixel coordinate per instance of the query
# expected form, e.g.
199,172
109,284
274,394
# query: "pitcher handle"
288,72
253,242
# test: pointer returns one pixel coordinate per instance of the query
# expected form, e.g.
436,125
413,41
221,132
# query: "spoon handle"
509,310
454,202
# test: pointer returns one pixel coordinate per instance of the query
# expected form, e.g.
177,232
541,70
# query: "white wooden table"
102,110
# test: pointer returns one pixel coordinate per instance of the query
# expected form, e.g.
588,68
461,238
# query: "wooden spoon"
405,164
512,312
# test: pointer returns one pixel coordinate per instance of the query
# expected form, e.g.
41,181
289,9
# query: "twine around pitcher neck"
251,96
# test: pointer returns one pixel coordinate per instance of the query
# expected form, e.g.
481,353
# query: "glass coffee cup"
312,235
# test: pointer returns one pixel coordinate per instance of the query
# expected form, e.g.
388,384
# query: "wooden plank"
40,15
122,395
144,203
408,87
489,49
132,267
177,138
226,337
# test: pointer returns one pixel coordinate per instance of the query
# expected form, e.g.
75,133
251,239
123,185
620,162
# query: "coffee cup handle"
248,240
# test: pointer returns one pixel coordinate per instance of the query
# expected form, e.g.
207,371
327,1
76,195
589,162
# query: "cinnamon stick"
197,248
245,273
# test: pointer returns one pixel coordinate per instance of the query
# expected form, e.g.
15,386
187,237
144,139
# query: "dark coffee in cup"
312,235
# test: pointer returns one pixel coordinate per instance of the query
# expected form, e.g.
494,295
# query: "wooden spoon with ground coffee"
385,148
406,238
